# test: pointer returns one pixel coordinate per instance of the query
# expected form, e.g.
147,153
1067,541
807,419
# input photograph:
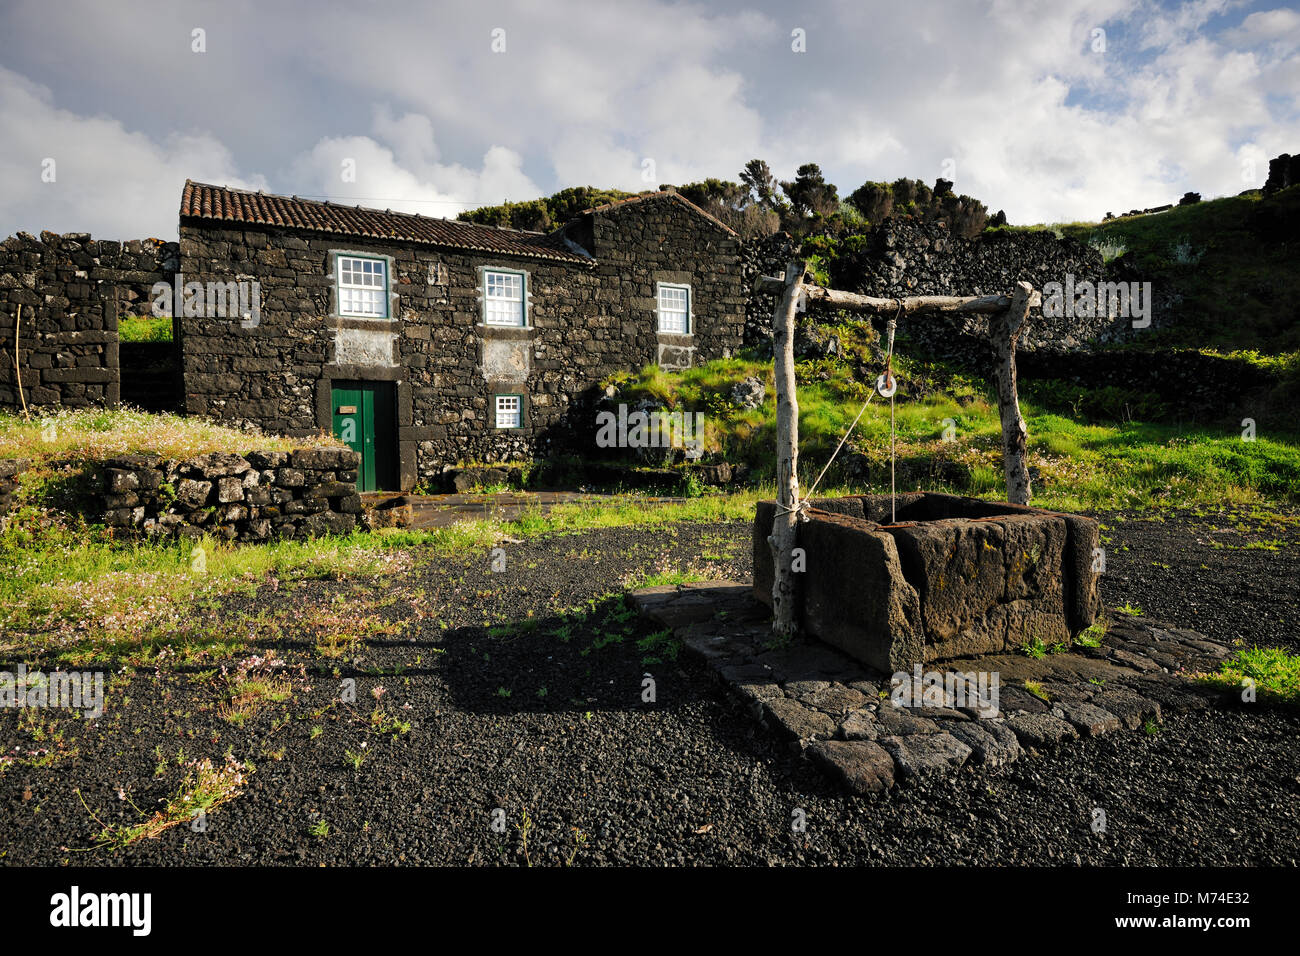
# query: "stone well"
951,577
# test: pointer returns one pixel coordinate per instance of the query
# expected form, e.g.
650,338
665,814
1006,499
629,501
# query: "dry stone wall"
263,495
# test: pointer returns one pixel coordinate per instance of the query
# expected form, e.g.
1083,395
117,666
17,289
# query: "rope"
802,504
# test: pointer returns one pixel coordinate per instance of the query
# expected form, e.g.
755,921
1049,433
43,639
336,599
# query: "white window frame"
340,285
518,409
522,300
687,318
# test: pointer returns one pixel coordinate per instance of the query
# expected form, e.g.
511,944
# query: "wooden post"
1004,329
784,527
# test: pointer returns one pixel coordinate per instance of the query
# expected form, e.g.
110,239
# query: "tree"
762,185
810,194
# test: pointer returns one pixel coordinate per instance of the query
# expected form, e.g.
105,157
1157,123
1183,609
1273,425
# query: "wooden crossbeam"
854,302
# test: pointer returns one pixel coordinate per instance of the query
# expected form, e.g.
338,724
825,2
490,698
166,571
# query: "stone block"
862,766
191,493
229,489
796,720
924,755
952,577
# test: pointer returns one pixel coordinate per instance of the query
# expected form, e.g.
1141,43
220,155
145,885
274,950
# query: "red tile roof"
224,204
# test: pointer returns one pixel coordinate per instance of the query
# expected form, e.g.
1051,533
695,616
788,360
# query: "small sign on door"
347,410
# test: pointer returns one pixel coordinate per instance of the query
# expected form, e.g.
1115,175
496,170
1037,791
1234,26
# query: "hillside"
1226,271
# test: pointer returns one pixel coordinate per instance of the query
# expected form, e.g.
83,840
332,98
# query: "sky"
1052,110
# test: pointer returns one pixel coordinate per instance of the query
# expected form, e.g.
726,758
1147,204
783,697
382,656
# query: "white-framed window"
503,298
363,287
510,411
674,309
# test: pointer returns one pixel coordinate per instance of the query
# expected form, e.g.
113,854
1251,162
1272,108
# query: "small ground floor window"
510,411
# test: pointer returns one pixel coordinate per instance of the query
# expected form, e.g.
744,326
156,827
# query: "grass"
249,695
1081,461
206,787
1035,688
1273,672
93,434
1130,609
1092,635
1035,647
1207,248
79,594
144,328
88,597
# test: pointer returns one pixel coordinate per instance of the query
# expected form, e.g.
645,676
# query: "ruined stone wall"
263,495
72,289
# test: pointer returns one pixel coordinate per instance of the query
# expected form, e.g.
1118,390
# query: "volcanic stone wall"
266,494
446,365
71,288
904,257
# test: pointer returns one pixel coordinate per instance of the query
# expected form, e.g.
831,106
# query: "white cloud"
402,172
108,181
1036,122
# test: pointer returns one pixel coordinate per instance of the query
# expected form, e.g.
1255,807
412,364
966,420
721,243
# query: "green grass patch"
144,328
1274,672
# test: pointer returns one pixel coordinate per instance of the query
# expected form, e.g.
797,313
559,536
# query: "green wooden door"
364,420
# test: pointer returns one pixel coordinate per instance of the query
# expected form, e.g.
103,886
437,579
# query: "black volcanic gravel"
523,720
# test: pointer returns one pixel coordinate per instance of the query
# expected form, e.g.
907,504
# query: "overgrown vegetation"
206,787
144,328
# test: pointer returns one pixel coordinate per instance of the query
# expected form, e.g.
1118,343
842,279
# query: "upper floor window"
363,287
503,298
674,309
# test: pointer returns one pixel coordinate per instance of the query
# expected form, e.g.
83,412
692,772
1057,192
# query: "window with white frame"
674,309
363,287
510,411
503,298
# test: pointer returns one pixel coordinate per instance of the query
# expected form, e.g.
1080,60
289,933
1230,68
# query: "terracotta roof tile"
224,204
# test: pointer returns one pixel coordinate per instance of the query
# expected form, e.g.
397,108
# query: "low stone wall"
264,495
952,577
10,469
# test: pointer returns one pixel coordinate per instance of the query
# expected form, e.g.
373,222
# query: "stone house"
422,341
